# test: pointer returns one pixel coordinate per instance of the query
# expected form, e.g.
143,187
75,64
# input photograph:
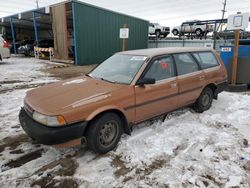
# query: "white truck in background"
158,30
4,50
195,26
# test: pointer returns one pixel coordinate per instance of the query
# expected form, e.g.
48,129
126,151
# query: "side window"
161,69
185,63
206,59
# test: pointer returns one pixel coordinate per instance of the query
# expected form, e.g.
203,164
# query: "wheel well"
157,30
213,87
126,127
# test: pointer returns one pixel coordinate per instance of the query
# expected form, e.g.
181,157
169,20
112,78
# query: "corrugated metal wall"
97,33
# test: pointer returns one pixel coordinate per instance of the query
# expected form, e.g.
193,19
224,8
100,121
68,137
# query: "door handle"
173,85
201,77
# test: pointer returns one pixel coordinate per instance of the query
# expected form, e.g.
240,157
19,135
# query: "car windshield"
119,68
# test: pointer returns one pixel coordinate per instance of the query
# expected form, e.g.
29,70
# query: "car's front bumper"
50,135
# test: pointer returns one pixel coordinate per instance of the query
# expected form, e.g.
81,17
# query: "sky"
166,12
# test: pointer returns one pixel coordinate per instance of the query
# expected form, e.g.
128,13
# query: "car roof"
151,52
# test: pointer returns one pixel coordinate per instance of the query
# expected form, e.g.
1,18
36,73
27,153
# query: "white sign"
2,20
47,10
226,49
124,33
19,16
238,21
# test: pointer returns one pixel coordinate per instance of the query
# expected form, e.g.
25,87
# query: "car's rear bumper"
50,135
5,53
221,87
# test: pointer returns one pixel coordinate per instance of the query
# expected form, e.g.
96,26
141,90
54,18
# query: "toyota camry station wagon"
124,90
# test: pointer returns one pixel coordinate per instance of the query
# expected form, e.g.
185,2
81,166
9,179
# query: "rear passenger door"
190,78
155,99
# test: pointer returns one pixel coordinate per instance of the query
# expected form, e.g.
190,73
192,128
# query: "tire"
104,133
157,33
204,101
198,32
237,88
175,32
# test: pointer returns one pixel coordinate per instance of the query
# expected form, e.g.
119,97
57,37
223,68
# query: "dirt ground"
64,71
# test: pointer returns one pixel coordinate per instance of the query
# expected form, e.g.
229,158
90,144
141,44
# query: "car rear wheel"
104,133
157,33
204,101
198,32
175,32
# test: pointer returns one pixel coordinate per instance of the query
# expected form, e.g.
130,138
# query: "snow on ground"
186,150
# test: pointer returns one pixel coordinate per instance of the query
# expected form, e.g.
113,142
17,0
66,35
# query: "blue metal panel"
226,53
13,34
74,28
35,26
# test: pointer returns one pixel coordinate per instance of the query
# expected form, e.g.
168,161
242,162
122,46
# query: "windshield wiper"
114,82
88,75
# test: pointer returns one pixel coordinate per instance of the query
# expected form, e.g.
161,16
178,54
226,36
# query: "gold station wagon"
126,89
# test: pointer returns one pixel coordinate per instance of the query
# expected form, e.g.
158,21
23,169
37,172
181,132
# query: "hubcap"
205,100
108,133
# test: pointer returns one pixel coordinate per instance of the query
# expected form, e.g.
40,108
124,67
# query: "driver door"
156,99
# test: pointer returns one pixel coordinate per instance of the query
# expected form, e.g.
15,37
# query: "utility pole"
37,5
223,12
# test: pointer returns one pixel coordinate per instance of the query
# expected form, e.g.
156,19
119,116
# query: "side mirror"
144,81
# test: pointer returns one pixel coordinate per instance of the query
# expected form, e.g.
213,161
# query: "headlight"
49,120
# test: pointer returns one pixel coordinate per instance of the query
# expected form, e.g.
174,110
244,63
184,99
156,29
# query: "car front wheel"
104,133
204,101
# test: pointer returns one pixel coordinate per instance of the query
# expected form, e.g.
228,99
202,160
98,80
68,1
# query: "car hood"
56,98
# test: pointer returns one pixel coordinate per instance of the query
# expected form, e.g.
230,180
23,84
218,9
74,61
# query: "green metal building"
96,32
82,33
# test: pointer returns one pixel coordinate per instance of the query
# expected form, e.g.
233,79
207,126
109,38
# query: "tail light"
5,44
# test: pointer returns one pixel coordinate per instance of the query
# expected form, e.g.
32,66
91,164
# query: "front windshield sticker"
138,58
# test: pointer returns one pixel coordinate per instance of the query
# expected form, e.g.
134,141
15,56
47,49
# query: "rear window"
206,59
185,63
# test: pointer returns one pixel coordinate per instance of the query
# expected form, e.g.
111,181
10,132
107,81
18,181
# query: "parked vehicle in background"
195,26
158,30
126,89
28,48
4,50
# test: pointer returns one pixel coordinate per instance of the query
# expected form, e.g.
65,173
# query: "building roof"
150,52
